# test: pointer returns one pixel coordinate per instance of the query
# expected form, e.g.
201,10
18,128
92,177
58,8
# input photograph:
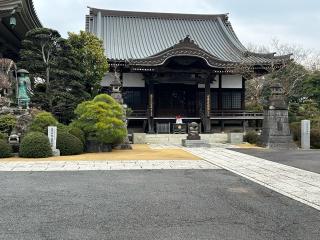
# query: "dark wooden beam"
151,107
207,120
243,94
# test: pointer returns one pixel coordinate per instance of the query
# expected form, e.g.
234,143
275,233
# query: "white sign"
52,135
305,134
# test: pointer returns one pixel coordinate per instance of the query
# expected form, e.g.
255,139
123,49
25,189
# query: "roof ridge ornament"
187,42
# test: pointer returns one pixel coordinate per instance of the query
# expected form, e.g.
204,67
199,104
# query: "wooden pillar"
222,125
207,120
243,94
220,93
151,107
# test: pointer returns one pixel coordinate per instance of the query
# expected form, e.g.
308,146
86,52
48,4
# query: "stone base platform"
143,138
195,143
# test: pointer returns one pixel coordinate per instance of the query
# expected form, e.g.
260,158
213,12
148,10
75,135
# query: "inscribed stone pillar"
305,134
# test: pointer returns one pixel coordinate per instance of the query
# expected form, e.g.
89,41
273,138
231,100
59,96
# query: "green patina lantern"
23,88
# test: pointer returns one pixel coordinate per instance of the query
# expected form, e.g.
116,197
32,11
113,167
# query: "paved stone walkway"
178,146
301,185
104,165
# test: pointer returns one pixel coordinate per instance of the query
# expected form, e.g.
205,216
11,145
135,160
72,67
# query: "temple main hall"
185,66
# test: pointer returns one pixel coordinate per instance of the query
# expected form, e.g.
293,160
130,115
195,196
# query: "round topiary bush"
77,132
35,145
5,149
69,144
251,137
315,138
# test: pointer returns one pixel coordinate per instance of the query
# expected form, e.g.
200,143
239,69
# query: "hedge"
42,121
77,132
251,137
35,145
69,144
5,149
315,138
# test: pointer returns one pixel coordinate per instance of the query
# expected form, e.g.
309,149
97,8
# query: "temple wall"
133,80
231,81
136,80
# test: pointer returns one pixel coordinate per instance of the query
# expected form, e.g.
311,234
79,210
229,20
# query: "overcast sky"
254,21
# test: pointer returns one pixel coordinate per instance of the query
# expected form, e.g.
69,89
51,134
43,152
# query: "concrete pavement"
301,185
148,205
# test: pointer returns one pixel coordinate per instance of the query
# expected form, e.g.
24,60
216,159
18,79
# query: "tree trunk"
48,89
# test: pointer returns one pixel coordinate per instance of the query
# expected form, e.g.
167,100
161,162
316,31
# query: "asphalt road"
183,204
307,160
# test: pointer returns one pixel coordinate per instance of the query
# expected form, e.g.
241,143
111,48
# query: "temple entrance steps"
143,138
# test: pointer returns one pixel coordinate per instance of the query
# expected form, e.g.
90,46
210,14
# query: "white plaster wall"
129,80
231,81
133,80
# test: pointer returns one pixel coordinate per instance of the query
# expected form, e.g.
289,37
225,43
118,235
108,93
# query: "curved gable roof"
141,35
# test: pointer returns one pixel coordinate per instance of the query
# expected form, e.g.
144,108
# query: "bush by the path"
42,121
315,138
77,132
251,137
35,145
5,149
69,144
101,119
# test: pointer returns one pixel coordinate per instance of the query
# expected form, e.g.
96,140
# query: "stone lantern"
116,93
276,132
277,99
116,88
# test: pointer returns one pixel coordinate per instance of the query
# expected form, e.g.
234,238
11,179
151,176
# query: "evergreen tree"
91,60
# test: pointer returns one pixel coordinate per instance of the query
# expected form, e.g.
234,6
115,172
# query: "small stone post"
305,134
52,135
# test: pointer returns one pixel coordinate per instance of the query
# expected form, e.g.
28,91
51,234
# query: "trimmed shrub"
251,137
315,138
295,129
101,119
3,136
42,121
7,123
5,149
62,128
35,145
69,144
77,132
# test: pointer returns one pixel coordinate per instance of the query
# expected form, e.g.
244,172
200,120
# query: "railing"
246,115
138,114
242,115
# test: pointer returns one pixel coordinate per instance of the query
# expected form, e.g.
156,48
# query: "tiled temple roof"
144,36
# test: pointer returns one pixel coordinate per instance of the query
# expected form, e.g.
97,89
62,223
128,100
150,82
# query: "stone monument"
276,132
117,95
193,138
52,135
305,134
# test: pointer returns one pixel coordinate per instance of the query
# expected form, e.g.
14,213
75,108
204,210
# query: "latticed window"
231,100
